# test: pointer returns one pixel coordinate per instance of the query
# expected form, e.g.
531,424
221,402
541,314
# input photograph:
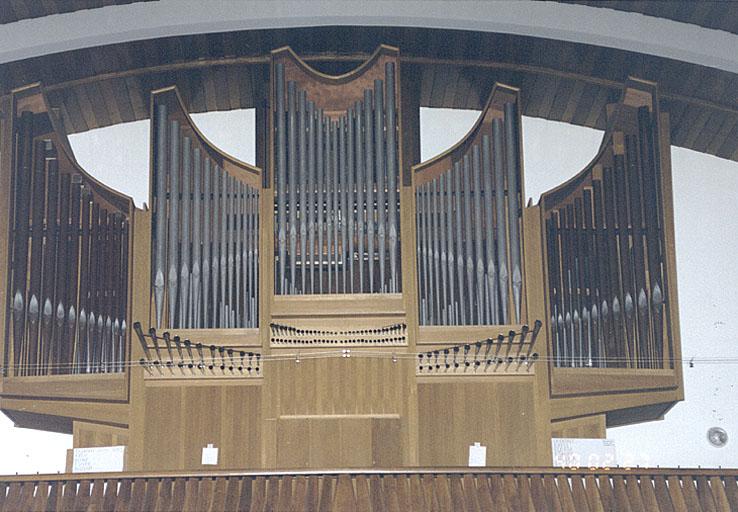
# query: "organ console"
427,306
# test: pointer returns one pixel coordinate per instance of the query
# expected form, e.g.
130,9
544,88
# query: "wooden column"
409,139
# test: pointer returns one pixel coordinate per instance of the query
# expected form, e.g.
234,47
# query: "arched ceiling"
704,13
563,81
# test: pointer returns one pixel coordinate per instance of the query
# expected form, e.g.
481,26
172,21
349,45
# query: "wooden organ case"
341,304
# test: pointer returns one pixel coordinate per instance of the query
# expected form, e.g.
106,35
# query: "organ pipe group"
468,232
206,257
69,278
336,192
605,246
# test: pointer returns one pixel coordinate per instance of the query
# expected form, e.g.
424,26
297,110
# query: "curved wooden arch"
244,171
330,92
440,163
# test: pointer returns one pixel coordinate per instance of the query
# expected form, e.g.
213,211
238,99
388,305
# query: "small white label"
210,455
579,452
477,455
103,459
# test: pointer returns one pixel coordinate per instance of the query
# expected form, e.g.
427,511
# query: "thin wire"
369,354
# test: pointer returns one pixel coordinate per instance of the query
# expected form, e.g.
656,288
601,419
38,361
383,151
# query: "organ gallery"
340,303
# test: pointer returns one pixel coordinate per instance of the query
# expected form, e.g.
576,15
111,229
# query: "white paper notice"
102,459
477,455
590,453
210,455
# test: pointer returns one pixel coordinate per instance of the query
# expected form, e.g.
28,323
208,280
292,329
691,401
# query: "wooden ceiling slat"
574,97
136,96
709,131
729,145
427,77
558,88
219,79
197,92
700,127
75,111
125,107
597,111
100,111
111,101
729,124
234,96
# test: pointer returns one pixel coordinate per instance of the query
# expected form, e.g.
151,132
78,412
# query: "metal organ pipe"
370,177
498,171
195,300
513,208
173,220
489,245
302,143
380,176
392,175
281,179
161,213
184,278
310,206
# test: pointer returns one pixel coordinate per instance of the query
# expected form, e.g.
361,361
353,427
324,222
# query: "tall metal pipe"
320,183
442,226
310,206
161,212
450,260
436,253
379,152
223,243
184,273
391,145
420,252
196,241
477,189
360,184
499,172
329,184
513,203
343,180
281,179
207,262
239,248
370,181
351,206
173,252
489,243
336,198
231,262
302,142
463,291
468,247
292,178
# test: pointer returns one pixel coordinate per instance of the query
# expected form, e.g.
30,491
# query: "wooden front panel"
181,420
500,415
355,385
339,441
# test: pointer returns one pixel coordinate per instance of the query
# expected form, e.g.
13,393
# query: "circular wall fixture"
717,437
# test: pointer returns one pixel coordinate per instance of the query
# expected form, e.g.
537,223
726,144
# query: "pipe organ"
342,304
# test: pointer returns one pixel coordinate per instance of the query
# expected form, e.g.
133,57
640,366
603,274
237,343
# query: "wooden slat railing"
524,489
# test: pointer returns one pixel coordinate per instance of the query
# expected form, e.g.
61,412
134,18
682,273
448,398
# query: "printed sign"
591,453
102,459
477,455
